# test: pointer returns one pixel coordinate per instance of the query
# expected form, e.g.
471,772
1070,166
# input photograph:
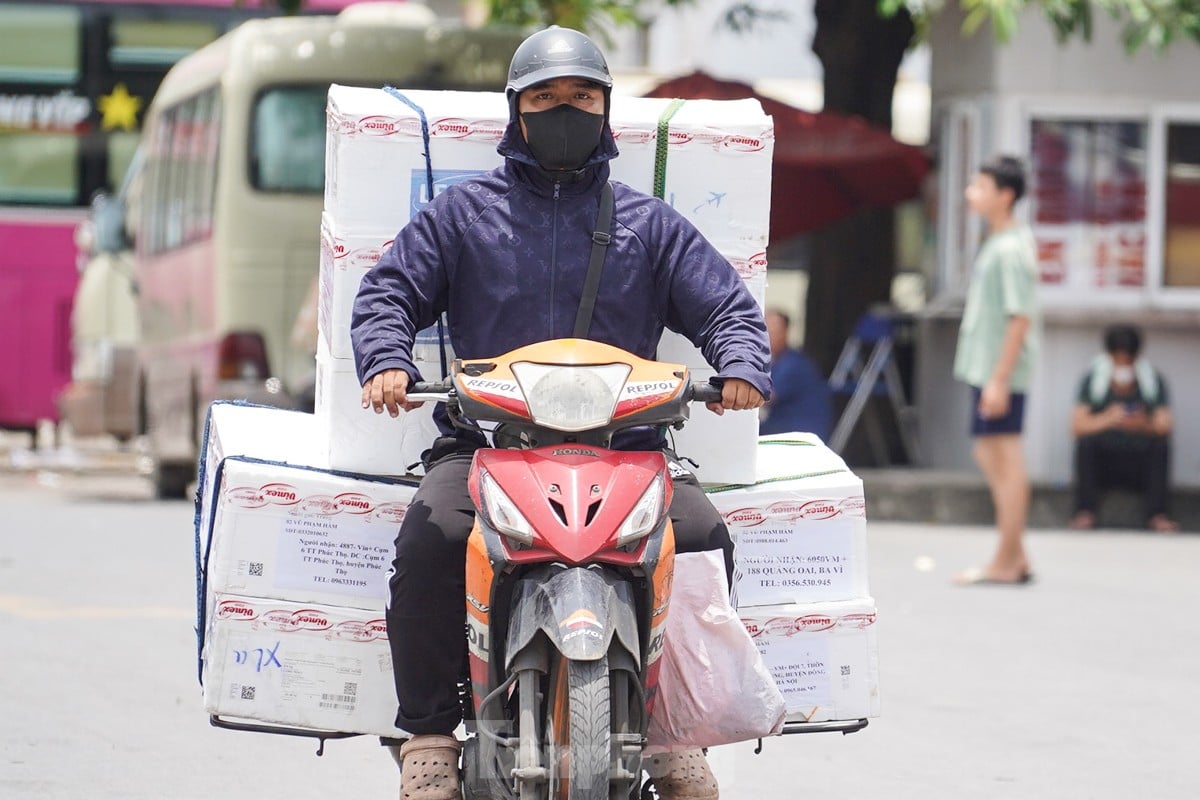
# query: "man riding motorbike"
505,255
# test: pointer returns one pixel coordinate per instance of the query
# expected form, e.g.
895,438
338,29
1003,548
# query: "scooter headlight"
645,515
571,399
502,512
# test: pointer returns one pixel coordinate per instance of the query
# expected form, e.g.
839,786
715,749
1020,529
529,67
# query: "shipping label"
334,555
801,668
798,558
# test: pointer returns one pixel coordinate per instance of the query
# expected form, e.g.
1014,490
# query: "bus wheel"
171,480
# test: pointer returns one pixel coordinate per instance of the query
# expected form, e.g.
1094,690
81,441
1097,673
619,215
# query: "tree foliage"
1154,23
592,15
585,15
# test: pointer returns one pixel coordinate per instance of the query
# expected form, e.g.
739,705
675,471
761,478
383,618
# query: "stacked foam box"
292,561
800,582
717,174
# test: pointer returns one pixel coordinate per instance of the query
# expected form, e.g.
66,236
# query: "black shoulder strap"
591,284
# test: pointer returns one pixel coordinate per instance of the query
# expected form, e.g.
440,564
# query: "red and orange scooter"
569,565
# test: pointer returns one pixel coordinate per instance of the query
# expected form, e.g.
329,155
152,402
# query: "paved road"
1083,685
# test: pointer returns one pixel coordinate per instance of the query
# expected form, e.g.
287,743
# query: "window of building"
1087,198
1181,224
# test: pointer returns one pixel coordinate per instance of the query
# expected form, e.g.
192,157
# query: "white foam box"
345,259
299,664
346,256
375,167
233,428
784,456
718,169
356,439
799,531
287,530
678,349
824,657
723,447
718,164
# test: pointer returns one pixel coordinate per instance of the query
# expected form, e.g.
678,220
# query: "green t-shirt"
1135,400
1004,285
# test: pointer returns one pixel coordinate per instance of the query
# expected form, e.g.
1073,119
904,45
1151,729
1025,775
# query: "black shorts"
1012,422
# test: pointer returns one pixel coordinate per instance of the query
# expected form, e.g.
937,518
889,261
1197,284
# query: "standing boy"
996,348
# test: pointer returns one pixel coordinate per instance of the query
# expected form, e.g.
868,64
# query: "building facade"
1113,145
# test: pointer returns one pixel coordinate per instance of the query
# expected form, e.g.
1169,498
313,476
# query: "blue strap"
396,93
399,95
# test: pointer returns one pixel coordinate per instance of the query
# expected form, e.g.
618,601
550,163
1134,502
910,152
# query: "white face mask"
1123,375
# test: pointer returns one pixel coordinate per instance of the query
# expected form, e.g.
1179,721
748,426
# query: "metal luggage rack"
843,727
281,730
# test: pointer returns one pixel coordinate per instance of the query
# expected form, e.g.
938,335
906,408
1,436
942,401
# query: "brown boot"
683,775
429,768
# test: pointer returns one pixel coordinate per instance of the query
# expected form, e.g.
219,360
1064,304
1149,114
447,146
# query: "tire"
579,731
171,480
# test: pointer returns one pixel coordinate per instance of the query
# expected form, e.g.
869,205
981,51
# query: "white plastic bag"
713,687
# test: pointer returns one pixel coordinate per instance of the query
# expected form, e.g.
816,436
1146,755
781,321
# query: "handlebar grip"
705,392
430,390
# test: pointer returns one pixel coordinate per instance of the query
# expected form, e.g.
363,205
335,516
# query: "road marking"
42,608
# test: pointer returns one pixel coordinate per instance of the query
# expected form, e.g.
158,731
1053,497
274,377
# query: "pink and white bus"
75,81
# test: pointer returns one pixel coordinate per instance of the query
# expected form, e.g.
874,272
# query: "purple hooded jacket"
504,254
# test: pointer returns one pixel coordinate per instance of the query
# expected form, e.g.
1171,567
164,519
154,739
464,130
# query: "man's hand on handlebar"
388,389
736,395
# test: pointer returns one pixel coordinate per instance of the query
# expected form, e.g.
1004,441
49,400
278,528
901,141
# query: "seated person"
801,400
1122,425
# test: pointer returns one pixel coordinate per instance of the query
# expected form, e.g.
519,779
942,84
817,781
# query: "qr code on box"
256,569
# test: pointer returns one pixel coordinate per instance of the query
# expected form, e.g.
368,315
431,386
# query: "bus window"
181,175
38,168
288,139
210,116
156,42
39,44
202,164
176,122
39,148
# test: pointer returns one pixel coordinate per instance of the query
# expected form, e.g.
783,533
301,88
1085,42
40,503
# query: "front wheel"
579,730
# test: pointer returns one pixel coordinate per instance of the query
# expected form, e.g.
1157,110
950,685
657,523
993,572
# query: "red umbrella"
826,166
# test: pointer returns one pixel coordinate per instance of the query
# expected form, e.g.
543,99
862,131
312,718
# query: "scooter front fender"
579,610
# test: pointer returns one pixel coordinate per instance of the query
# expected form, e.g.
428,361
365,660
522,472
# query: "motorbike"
569,565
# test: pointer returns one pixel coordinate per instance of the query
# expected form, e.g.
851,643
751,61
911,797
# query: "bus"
76,79
231,196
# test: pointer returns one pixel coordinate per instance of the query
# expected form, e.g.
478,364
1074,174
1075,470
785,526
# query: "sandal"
429,768
682,775
977,576
1082,521
1161,523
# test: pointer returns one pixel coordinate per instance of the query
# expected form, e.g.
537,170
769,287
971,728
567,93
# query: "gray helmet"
556,53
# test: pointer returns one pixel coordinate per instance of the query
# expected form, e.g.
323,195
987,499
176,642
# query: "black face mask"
563,137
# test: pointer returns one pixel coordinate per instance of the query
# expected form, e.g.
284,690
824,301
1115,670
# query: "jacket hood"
513,145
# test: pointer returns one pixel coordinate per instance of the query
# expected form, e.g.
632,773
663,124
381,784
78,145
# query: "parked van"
228,235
